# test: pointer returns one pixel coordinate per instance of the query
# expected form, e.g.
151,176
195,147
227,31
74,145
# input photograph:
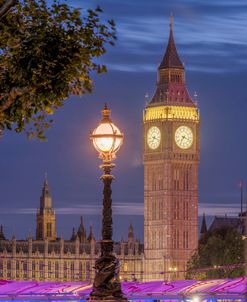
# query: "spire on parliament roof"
171,58
81,231
73,236
45,198
91,234
45,190
203,225
2,237
130,231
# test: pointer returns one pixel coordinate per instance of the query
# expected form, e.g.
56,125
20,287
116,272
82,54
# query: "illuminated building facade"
55,259
171,158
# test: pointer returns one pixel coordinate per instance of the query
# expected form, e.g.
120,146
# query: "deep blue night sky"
211,38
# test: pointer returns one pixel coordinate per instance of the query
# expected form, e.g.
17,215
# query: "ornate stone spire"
91,234
203,225
45,198
130,232
171,58
81,232
73,236
45,186
2,237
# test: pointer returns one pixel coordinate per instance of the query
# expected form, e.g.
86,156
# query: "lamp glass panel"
106,143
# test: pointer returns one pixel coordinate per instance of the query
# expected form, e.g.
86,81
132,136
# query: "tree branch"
11,96
6,7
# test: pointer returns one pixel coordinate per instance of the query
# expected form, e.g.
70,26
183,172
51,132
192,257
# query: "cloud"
214,209
129,208
130,67
208,35
121,208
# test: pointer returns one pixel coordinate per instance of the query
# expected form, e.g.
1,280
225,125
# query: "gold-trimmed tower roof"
171,87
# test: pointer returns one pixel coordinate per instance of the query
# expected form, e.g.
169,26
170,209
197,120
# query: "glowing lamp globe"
107,138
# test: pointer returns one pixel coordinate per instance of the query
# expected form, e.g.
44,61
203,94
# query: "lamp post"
107,139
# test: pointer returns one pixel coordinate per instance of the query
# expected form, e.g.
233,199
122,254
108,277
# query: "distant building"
238,223
56,259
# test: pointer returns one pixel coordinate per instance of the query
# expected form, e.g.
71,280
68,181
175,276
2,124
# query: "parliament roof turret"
2,237
91,234
81,233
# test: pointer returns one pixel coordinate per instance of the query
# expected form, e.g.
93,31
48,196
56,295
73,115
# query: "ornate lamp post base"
106,284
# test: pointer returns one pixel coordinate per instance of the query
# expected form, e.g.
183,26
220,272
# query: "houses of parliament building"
171,151
52,258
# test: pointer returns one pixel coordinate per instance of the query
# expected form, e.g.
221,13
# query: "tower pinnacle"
171,58
46,178
45,199
171,21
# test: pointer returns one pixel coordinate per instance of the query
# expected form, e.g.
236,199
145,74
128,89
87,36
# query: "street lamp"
174,270
107,139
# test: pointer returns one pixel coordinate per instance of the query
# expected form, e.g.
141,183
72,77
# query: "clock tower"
171,158
45,216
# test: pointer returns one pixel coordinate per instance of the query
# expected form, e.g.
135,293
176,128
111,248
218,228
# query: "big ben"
171,157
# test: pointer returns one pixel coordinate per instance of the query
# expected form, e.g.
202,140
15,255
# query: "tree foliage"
47,53
221,247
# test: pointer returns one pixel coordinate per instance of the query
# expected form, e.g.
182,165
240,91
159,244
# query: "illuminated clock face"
184,137
153,137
